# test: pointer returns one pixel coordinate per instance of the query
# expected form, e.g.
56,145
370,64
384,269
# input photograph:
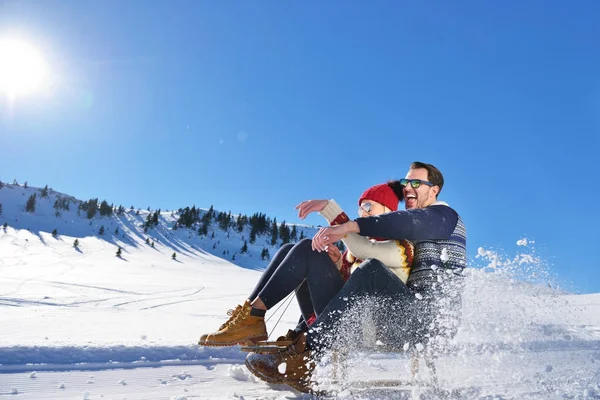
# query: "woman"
315,277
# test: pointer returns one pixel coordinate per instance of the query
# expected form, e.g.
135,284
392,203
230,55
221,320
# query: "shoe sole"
261,376
269,379
244,342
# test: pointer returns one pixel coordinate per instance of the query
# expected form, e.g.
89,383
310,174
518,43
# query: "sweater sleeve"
429,223
334,214
390,252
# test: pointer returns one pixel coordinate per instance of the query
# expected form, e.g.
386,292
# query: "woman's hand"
334,253
308,206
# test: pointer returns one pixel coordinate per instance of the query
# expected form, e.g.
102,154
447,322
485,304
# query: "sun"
22,67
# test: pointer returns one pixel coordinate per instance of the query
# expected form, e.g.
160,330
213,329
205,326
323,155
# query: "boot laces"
236,315
233,313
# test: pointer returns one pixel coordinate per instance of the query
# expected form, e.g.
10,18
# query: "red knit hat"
382,194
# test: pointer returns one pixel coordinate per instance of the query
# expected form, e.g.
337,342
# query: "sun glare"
22,68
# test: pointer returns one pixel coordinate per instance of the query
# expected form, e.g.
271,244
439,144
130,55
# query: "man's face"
422,196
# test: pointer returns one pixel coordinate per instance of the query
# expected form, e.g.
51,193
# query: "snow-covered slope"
82,323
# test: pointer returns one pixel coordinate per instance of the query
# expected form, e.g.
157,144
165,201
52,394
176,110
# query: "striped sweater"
439,236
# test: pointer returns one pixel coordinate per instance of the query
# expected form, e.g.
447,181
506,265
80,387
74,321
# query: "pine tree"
233,257
284,233
119,252
152,245
147,240
244,248
264,254
5,226
0,208
30,206
101,230
76,243
252,235
294,234
25,185
116,231
55,233
302,235
44,191
274,232
174,256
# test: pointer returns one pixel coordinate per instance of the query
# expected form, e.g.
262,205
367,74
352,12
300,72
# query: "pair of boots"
292,366
241,328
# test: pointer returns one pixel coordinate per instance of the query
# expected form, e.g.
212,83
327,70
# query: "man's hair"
433,174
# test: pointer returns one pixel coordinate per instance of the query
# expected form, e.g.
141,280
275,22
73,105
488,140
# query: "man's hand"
308,206
331,234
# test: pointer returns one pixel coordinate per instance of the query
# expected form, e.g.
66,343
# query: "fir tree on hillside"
0,208
61,203
1,184
90,207
119,252
274,232
4,227
30,205
301,235
105,209
284,233
264,254
25,185
44,191
252,235
101,230
76,243
293,234
174,256
54,233
15,182
244,248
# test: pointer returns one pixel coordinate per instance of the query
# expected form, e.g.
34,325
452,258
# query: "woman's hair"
397,188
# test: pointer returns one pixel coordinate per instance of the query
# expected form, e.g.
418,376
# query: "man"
425,307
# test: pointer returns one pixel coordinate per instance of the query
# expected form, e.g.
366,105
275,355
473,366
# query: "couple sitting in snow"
405,264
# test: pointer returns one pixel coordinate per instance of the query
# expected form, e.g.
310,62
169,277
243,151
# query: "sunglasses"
366,207
415,183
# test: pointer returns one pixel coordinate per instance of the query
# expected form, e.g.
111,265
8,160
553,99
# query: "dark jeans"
312,275
373,300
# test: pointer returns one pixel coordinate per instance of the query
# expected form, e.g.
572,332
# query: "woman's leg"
302,263
273,265
299,264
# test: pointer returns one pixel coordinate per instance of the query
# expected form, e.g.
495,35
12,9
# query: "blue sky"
256,106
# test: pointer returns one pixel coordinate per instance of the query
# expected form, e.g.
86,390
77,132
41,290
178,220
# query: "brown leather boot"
232,314
292,366
241,328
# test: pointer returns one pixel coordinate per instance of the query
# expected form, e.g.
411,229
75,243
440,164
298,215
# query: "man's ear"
436,190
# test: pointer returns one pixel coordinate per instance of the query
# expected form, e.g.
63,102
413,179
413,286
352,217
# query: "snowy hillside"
127,230
81,323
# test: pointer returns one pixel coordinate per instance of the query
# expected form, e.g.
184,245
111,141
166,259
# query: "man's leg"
371,278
